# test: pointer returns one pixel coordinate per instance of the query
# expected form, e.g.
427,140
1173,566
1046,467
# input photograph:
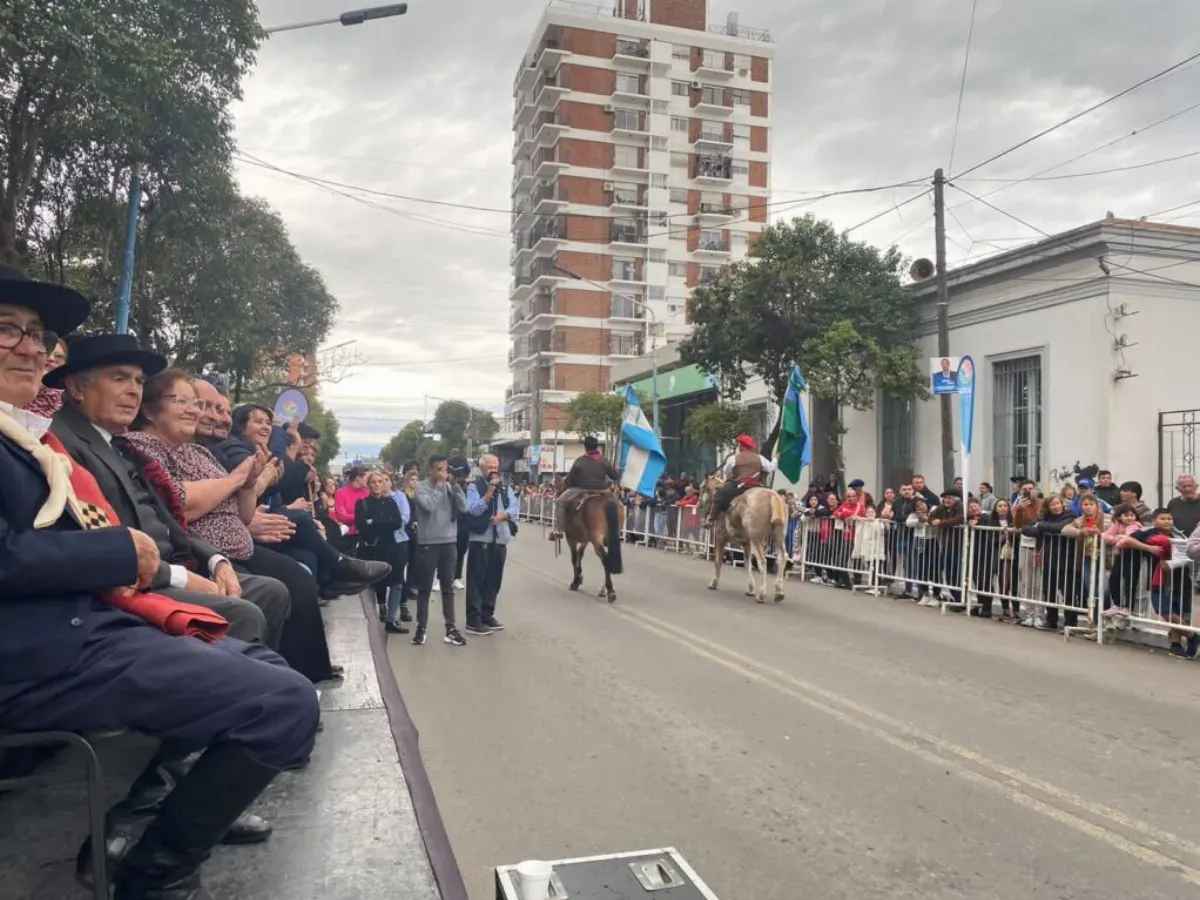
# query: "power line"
962,85
891,208
1079,115
1129,168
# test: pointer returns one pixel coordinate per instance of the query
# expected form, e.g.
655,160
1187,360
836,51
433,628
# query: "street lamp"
653,331
354,17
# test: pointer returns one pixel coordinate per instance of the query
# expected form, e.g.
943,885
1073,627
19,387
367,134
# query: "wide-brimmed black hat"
61,309
309,433
99,351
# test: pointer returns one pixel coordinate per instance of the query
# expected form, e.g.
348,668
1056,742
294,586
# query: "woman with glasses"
217,506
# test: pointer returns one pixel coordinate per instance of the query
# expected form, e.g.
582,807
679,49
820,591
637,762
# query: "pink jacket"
344,501
1117,531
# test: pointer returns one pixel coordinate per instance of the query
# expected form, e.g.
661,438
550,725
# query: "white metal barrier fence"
1039,577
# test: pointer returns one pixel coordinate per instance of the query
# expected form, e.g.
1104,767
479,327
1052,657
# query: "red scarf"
593,454
175,618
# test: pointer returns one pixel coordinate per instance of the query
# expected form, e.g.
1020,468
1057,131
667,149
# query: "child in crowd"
1170,582
1122,580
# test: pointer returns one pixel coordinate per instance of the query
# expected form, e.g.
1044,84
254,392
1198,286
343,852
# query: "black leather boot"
125,821
165,863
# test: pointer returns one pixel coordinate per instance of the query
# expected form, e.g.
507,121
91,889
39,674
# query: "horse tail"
779,514
612,540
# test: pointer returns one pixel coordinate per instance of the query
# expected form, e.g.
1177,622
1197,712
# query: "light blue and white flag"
642,459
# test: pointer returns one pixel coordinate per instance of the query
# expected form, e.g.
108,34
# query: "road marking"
928,747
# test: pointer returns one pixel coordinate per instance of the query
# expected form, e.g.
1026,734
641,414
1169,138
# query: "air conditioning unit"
696,85
608,185
608,107
743,72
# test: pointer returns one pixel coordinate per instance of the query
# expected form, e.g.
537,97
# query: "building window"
679,160
739,168
656,256
681,88
657,142
741,63
624,268
739,97
626,157
678,231
628,84
680,51
658,181
660,106
738,240
678,123
741,133
709,274
679,195
656,292
677,269
1017,419
627,119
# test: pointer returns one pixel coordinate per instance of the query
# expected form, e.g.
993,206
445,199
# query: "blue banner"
642,459
966,401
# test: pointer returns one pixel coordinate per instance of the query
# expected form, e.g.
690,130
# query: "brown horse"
755,517
599,520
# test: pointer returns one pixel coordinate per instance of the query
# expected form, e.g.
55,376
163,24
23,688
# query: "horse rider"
589,474
745,469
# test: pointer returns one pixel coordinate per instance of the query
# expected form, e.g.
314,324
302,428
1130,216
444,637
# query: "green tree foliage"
806,281
718,424
460,425
408,444
322,418
595,412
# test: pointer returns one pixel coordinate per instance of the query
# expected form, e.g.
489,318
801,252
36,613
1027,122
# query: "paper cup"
533,879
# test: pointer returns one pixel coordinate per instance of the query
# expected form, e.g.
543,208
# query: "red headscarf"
746,442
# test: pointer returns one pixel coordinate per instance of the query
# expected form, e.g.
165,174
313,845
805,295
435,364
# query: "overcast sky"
865,93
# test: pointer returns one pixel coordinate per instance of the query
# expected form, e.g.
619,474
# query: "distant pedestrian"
437,504
492,510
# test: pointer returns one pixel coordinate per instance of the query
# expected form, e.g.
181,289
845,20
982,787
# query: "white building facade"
641,160
1084,346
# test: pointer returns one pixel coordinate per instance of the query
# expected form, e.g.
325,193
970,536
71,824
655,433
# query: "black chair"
95,785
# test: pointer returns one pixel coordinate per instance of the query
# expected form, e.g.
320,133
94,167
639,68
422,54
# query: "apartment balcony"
550,90
714,65
518,321
712,247
712,138
548,344
626,198
714,169
627,274
543,310
637,164
631,122
523,178
632,53
547,200
628,308
546,163
636,92
552,51
714,213
714,102
628,235
547,128
625,345
710,276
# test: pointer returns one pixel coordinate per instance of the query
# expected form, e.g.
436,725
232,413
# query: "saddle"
575,504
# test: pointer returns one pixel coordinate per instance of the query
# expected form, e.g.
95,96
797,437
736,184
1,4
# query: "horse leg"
576,565
759,590
750,555
718,555
781,571
607,591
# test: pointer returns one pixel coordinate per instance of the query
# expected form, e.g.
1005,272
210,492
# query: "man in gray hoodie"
437,504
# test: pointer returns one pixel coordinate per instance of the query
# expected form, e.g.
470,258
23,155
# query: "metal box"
640,875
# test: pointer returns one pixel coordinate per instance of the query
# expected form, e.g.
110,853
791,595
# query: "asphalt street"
831,746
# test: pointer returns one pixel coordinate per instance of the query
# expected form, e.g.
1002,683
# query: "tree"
458,424
718,424
596,412
323,419
407,445
771,312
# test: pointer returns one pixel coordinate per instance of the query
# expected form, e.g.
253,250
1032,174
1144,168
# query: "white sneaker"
458,584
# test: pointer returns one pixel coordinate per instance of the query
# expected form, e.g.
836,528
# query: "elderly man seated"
103,392
338,574
83,646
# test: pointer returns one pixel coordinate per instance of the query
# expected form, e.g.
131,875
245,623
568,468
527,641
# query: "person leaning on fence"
1171,582
1088,530
947,519
589,473
1058,561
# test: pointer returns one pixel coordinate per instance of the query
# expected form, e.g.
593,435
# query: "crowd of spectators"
163,560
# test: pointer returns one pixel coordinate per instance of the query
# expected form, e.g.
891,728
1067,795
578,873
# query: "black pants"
303,642
436,560
307,546
485,572
464,538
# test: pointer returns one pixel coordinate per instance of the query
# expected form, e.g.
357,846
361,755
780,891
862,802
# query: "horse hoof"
751,594
612,598
779,598
603,593
712,585
573,587
759,598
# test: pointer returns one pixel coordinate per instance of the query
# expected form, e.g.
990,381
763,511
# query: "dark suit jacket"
48,576
88,448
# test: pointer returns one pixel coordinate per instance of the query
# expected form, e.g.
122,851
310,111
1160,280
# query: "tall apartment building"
641,160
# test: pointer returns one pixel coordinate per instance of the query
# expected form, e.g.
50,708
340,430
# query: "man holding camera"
438,502
491,519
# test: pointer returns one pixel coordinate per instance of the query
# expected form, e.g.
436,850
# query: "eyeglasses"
11,336
194,402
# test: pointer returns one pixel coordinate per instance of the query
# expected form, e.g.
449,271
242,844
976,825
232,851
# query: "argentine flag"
642,457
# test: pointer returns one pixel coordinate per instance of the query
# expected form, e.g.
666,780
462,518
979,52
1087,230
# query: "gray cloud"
865,93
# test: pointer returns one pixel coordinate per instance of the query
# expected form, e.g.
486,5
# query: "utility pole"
943,321
535,421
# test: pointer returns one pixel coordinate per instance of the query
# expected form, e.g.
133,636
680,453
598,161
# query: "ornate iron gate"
1176,449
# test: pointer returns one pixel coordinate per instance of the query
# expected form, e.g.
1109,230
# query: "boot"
350,575
165,863
125,821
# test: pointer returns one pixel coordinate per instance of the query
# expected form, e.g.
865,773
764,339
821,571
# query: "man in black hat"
71,661
102,393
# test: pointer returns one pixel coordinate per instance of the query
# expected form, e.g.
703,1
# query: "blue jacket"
405,515
48,576
500,534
